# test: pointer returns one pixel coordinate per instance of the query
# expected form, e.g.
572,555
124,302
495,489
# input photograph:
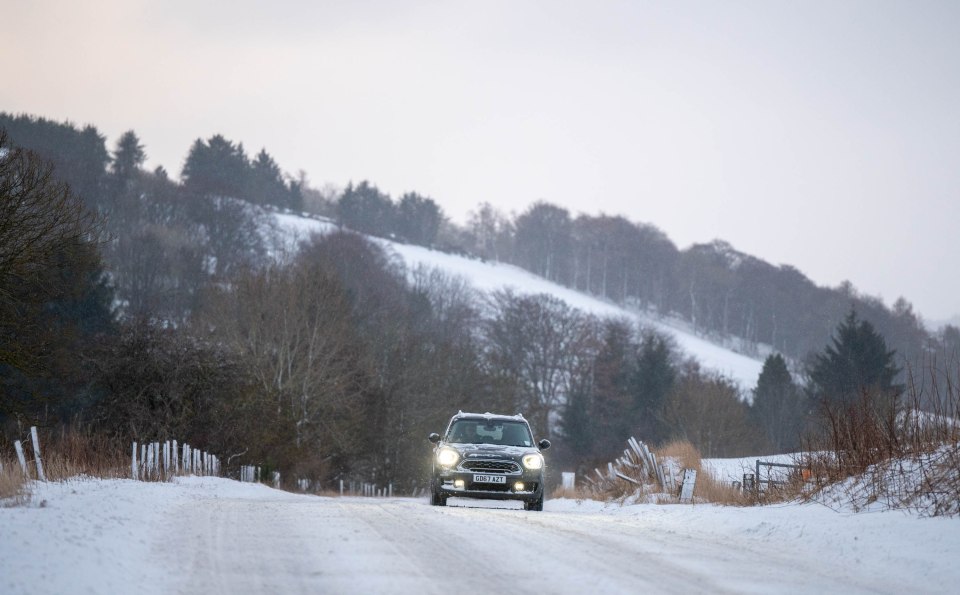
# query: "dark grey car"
483,455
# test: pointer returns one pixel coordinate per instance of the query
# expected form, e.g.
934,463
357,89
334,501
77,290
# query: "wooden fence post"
689,481
36,453
23,460
150,457
166,458
133,462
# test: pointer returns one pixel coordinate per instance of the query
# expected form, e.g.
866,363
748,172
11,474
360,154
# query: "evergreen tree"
418,219
653,378
124,190
365,209
613,369
856,361
779,406
217,167
128,157
55,301
79,156
577,425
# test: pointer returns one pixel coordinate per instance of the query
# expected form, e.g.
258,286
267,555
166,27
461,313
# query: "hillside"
489,276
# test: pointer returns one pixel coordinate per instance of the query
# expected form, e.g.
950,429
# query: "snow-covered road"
216,536
404,546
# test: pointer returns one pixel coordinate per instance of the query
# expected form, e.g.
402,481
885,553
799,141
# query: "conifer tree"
653,378
779,407
856,361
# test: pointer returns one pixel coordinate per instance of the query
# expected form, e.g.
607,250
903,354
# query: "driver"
470,434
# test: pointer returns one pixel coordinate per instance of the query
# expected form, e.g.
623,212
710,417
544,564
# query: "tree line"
731,297
148,308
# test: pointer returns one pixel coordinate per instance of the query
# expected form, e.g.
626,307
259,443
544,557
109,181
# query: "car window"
505,433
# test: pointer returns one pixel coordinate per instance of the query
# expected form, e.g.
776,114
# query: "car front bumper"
457,483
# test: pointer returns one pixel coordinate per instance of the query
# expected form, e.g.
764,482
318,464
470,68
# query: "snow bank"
101,535
922,550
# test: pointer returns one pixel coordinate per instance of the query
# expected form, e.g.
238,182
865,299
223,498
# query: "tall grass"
903,455
66,453
71,452
707,488
11,482
677,455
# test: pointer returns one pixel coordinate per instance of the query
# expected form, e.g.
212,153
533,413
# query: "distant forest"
143,306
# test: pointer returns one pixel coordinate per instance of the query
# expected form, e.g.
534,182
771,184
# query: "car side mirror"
544,444
434,437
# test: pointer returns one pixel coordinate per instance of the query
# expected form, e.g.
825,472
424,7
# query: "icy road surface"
205,535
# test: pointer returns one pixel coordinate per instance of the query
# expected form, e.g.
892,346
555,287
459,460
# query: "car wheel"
436,499
535,505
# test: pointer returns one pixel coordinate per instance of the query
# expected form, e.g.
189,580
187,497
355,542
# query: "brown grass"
11,483
678,455
579,494
69,453
708,488
907,456
65,453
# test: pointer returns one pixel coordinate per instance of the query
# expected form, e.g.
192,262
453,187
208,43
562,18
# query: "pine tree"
577,425
779,405
613,369
365,209
418,219
217,167
856,361
128,157
653,378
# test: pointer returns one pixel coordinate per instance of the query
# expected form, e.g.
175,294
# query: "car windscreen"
504,433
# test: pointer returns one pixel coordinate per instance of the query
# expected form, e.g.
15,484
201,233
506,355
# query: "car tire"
536,505
437,499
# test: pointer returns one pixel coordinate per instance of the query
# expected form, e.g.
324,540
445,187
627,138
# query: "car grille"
505,467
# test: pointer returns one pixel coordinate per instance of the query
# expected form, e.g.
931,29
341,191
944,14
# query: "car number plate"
477,478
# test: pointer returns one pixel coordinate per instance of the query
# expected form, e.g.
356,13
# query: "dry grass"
708,488
904,457
643,484
69,453
11,483
579,494
64,454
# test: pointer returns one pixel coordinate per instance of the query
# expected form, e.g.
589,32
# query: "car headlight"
447,457
533,461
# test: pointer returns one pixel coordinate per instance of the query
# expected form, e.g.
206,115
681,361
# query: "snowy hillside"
490,276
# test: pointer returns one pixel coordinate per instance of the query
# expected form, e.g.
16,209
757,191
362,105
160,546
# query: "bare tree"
293,329
707,410
538,342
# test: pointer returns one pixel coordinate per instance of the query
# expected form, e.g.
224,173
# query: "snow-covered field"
491,276
209,535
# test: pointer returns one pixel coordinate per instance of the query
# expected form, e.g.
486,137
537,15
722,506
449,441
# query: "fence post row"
161,460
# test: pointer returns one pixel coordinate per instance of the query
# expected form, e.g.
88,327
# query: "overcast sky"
825,135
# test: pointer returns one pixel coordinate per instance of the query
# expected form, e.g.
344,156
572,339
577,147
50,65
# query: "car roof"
487,416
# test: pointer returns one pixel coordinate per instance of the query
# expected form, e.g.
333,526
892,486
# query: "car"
488,456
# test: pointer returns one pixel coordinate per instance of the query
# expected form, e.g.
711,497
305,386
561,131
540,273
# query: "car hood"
479,450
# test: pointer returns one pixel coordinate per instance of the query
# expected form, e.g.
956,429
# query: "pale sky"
825,135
